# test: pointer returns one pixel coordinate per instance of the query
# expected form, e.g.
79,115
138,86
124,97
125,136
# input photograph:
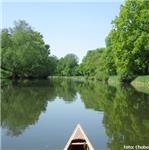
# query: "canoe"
78,140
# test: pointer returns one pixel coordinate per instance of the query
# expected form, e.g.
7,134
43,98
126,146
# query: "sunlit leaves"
130,40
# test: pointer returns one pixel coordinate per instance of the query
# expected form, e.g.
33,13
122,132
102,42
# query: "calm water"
41,115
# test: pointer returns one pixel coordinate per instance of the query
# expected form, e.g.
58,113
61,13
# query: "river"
41,114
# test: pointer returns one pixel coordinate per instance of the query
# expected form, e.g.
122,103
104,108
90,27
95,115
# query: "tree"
108,57
67,65
130,39
24,52
53,64
91,62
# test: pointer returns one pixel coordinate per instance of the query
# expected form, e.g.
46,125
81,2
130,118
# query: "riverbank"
141,83
76,78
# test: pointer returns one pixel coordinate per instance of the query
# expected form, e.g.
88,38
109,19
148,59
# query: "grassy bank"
141,83
76,78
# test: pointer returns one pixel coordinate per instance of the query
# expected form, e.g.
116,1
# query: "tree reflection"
23,103
65,89
21,106
126,118
94,95
125,113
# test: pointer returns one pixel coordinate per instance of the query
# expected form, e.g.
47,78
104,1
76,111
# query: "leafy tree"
67,65
108,57
24,52
53,60
107,65
91,62
130,39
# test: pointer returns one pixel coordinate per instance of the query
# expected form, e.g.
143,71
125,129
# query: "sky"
68,27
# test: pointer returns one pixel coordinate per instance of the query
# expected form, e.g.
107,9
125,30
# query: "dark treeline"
25,54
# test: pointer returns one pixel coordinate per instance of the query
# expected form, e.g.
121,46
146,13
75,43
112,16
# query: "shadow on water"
125,111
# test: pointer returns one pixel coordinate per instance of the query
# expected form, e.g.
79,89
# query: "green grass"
76,78
142,79
141,83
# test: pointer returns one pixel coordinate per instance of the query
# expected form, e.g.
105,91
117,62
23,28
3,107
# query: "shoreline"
141,83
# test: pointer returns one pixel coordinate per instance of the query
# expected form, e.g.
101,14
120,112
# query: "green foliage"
24,52
67,66
143,78
127,46
130,39
91,62
25,55
108,57
107,65
53,60
5,73
98,63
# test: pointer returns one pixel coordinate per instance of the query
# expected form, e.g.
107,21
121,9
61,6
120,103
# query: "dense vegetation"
25,55
130,39
67,66
127,46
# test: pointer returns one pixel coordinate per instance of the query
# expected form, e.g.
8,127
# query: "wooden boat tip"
78,133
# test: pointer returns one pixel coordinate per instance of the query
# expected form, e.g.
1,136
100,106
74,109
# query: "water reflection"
21,106
94,95
126,118
125,111
23,102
